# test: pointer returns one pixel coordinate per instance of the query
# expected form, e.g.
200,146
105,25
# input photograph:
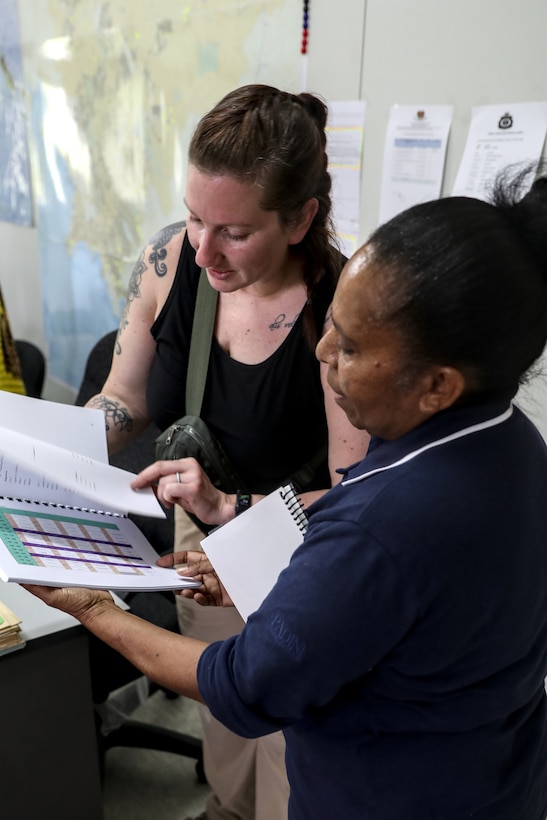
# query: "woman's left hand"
196,565
183,481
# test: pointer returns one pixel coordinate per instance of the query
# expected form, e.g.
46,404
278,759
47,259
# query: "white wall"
473,52
22,291
20,281
462,54
335,51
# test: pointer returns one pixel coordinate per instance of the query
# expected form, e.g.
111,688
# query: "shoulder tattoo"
159,252
156,258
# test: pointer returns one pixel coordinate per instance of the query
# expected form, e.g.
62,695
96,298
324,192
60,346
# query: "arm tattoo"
156,258
133,292
115,416
159,252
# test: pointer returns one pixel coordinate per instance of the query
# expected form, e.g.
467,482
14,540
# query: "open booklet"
264,537
64,511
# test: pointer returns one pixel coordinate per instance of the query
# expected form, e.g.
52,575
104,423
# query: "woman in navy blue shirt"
424,697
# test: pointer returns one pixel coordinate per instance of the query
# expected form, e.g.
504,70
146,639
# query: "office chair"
33,367
157,607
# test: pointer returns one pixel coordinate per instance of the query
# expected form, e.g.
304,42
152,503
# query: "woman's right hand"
183,481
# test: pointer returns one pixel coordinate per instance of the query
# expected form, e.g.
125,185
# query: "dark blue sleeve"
338,608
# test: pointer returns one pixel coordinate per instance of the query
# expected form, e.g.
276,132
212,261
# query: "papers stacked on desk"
10,630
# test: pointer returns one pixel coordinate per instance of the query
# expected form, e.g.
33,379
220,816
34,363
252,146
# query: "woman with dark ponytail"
258,223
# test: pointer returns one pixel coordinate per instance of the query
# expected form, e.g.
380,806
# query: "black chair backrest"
33,367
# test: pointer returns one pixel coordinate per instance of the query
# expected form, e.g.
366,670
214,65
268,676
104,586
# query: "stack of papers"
10,630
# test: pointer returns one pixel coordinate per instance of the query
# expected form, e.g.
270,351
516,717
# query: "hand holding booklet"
64,511
265,535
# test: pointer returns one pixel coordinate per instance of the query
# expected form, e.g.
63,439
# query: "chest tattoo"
280,321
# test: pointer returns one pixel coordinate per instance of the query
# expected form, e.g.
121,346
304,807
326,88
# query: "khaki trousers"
247,776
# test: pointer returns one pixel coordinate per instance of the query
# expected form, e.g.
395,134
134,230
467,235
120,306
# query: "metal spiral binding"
63,506
294,505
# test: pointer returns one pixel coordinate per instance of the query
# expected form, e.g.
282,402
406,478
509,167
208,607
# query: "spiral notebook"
249,552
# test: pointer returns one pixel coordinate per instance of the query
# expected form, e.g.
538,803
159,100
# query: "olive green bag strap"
200,344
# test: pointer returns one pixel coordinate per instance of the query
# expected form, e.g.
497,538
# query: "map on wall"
15,194
115,90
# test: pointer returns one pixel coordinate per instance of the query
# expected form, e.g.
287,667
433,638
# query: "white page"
414,156
499,135
345,132
66,425
249,552
38,471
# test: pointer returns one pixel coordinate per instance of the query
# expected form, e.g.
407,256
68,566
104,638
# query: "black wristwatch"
243,502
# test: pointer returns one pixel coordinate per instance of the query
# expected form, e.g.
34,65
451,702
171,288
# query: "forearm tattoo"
115,416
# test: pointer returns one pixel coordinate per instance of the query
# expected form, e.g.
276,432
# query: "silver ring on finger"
178,478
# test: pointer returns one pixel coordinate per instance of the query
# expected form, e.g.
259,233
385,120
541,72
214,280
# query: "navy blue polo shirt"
404,649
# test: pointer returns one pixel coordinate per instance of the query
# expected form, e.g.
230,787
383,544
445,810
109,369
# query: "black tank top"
269,417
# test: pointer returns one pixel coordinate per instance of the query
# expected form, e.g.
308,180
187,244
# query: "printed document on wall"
345,130
499,136
414,156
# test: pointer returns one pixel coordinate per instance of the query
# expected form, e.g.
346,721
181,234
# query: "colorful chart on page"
70,543
79,548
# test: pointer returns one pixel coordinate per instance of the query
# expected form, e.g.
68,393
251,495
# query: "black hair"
465,281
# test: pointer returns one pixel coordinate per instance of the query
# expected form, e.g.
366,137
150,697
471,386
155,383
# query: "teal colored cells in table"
13,542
